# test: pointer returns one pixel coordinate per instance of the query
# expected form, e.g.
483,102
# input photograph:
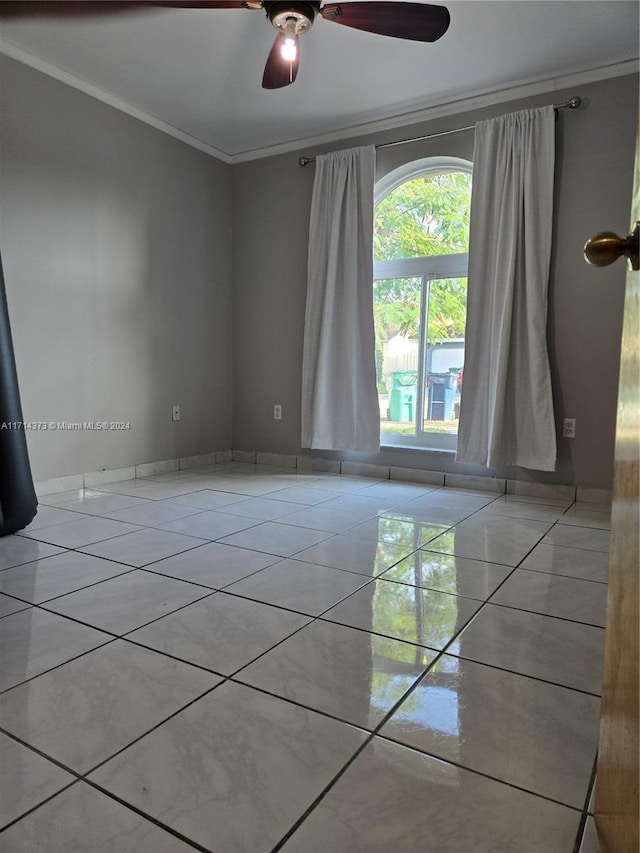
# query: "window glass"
421,240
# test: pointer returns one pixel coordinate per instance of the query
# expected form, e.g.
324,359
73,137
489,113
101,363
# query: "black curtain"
18,502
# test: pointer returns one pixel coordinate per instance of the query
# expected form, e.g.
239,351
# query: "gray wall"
271,200
116,243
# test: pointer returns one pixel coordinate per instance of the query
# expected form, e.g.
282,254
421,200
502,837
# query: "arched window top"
422,209
416,168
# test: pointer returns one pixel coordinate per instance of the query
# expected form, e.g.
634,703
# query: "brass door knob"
606,247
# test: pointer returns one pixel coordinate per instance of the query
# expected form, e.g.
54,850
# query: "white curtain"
339,395
506,413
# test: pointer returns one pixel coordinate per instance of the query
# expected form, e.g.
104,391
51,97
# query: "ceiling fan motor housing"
281,13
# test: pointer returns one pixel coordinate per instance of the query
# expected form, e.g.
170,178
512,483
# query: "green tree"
428,215
425,216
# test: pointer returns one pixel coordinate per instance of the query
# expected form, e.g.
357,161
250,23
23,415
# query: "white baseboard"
307,462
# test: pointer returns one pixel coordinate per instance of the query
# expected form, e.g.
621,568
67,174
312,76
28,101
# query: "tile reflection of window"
415,615
434,708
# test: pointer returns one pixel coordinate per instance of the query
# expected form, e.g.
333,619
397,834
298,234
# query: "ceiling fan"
290,18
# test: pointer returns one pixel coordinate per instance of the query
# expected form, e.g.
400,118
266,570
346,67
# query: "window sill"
444,451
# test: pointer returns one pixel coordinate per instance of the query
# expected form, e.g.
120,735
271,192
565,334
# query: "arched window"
421,242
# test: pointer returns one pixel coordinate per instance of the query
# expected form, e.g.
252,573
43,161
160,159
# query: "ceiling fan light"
289,48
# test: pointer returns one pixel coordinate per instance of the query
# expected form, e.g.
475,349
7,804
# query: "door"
616,808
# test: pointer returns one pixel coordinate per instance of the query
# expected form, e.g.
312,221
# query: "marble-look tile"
303,494
26,780
543,500
364,556
34,641
555,650
392,798
56,498
494,722
396,491
207,499
82,819
346,485
513,507
448,573
515,530
127,602
210,524
44,579
321,518
101,503
256,769
303,587
18,550
454,498
130,486
143,547
573,536
590,842
214,565
432,514
85,530
397,531
263,509
153,513
245,486
158,491
10,605
222,633
274,538
554,595
570,562
421,616
350,674
87,710
361,506
585,515
480,546
47,516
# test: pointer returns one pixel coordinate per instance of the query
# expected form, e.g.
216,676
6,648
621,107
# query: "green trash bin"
402,399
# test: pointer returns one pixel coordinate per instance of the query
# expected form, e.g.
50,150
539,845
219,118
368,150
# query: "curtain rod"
572,104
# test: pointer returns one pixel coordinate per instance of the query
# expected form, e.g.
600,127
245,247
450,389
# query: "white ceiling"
200,71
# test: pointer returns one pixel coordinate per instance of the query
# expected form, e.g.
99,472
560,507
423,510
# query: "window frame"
427,268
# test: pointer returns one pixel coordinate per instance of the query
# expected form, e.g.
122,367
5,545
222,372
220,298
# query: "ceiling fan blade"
208,4
279,72
415,21
100,8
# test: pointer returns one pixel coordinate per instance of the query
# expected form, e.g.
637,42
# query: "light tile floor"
243,659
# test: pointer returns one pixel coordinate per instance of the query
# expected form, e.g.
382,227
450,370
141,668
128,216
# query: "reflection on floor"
241,659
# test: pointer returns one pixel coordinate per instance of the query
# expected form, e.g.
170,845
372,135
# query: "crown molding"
444,109
33,61
439,109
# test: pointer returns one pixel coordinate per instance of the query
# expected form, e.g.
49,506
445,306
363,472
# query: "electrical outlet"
277,412
569,428
175,413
